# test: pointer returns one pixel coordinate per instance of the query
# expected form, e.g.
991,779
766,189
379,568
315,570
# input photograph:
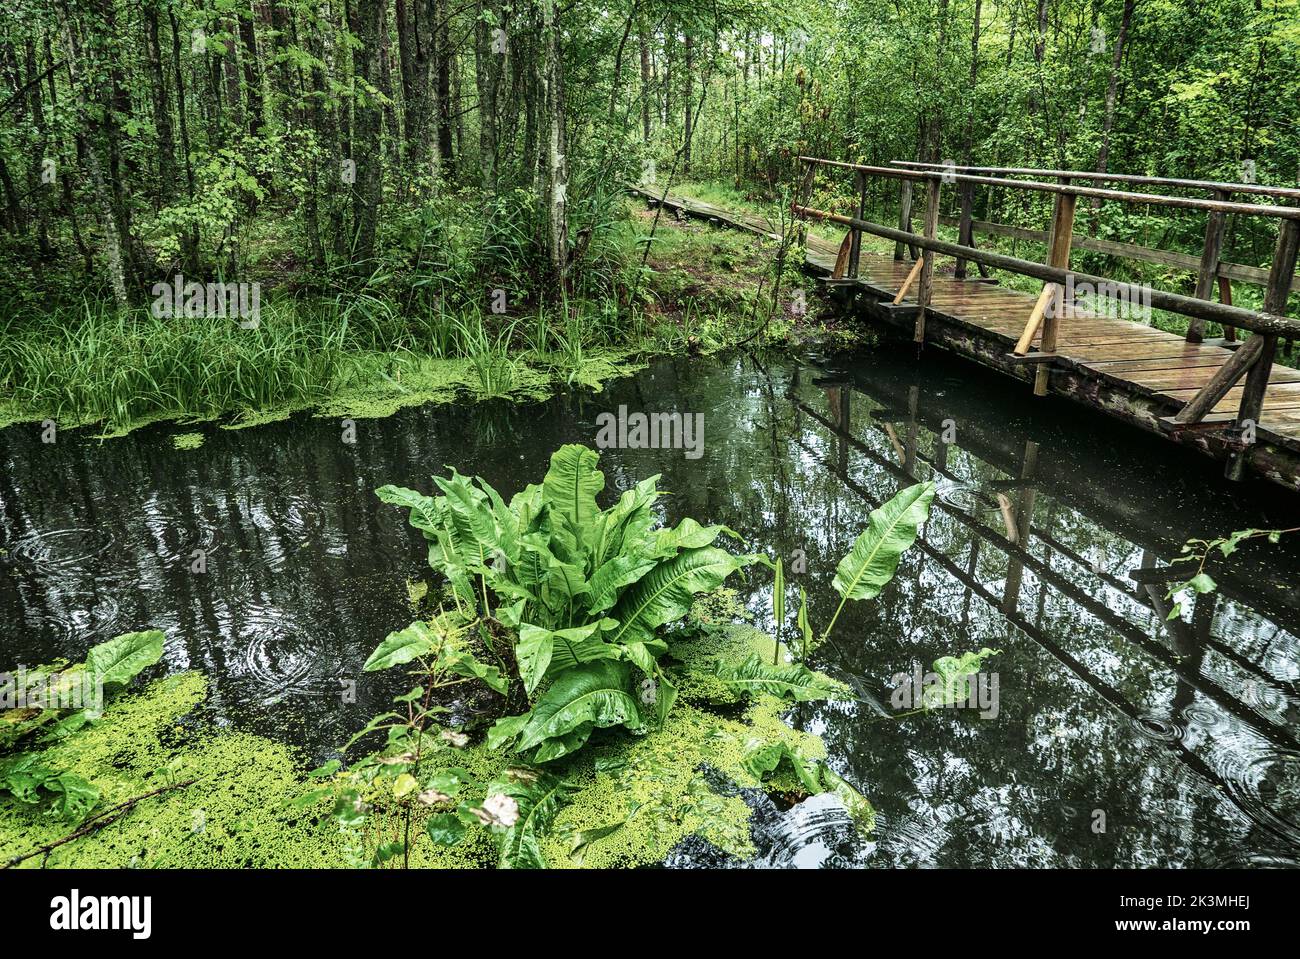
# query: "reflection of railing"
1076,667
1253,360
1019,558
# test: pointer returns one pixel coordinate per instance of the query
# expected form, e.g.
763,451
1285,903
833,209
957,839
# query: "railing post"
855,245
1058,255
1280,275
1225,297
926,283
904,215
1209,269
965,232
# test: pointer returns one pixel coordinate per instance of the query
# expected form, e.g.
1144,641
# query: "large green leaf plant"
583,592
564,610
26,729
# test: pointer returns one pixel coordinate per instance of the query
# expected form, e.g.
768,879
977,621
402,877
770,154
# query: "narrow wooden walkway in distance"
1140,358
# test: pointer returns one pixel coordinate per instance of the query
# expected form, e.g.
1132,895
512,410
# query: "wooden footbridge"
1085,337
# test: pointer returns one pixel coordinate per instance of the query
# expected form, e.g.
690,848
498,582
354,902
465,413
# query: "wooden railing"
1209,266
1252,360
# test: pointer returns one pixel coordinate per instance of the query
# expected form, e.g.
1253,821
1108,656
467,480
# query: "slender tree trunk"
486,74
645,80
556,174
112,236
688,96
368,126
255,113
190,239
1112,88
162,109
445,61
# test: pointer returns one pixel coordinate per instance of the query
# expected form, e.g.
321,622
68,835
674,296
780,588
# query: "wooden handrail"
1238,272
1123,196
1257,322
1257,189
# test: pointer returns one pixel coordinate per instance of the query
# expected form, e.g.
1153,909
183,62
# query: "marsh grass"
87,362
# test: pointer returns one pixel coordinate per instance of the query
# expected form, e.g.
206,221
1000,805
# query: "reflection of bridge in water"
1018,541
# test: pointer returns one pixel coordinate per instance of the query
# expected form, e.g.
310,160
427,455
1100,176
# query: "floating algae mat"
225,798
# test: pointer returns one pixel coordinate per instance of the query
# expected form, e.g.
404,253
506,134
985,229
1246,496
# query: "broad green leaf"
585,837
762,759
450,781
595,694
538,797
470,514
506,730
792,681
665,593
687,534
423,514
120,660
571,485
534,654
462,663
871,564
403,646
609,581
624,527
641,656
570,742
74,797
539,649
860,809
445,829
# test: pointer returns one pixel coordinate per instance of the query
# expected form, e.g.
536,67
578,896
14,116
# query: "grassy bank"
368,353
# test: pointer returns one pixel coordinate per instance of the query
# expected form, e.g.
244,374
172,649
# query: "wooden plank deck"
1140,359
1149,360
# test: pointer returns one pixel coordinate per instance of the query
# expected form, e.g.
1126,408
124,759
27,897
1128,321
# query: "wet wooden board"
1151,361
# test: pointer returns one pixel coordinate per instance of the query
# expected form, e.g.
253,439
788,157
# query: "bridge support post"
1209,269
904,218
1058,255
1275,297
926,283
855,245
965,232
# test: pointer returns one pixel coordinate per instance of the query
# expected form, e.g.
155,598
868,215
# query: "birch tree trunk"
555,174
112,238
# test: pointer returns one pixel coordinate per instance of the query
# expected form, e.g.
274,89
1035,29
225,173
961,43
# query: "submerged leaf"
954,674
860,809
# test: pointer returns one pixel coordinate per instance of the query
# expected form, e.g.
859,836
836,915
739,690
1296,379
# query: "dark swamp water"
1183,734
